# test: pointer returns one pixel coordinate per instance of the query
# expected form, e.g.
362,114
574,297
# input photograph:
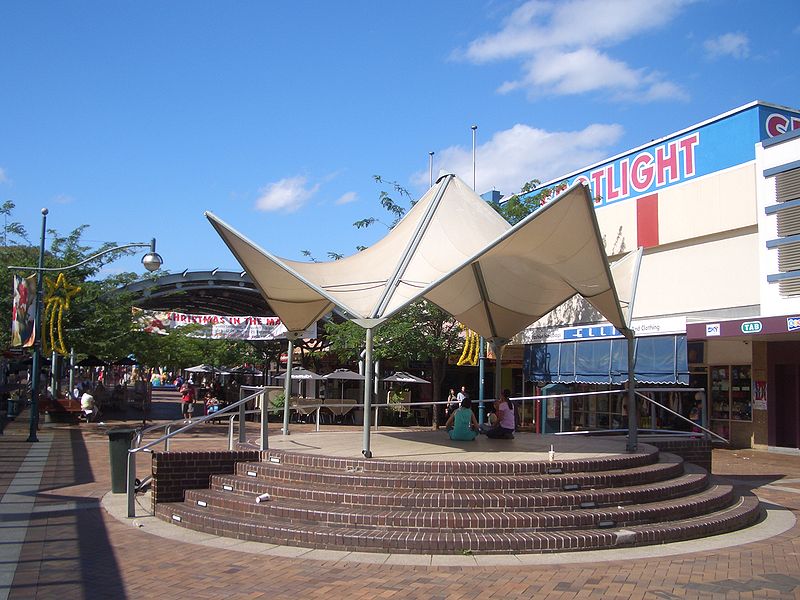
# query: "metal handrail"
680,416
131,483
622,431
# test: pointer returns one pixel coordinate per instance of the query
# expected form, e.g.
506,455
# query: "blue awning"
659,360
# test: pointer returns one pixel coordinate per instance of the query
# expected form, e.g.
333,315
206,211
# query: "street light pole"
36,367
152,261
481,341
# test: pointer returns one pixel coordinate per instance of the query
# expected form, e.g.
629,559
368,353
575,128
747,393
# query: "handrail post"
264,422
167,431
376,417
131,487
230,431
318,409
242,423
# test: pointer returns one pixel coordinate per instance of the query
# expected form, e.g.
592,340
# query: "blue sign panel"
591,332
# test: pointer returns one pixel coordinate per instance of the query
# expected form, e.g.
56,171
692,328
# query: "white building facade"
716,209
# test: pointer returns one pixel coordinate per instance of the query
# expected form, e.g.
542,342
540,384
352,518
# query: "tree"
98,321
420,332
519,206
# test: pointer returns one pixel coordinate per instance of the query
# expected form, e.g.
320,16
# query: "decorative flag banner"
22,311
217,327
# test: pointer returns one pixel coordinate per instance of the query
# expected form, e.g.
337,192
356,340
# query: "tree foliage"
99,319
519,206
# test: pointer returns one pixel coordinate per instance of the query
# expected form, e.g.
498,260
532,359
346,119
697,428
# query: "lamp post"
152,261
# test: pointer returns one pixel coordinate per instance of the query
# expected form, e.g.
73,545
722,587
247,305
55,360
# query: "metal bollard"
131,487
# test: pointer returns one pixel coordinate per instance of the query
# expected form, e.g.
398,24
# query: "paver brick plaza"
71,547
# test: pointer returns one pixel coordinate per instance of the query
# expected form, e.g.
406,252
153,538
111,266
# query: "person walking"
187,399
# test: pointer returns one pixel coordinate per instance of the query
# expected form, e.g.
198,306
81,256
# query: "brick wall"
694,450
175,472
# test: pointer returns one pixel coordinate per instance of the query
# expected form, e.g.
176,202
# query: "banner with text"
217,327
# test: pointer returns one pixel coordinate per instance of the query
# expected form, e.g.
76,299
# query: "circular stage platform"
437,446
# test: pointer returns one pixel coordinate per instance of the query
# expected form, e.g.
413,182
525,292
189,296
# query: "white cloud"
63,199
287,195
3,176
560,45
347,198
521,153
736,45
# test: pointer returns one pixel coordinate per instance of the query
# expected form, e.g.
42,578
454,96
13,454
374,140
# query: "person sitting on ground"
212,404
462,424
89,408
505,425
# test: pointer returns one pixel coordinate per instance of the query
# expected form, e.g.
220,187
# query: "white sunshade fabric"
553,254
454,249
448,225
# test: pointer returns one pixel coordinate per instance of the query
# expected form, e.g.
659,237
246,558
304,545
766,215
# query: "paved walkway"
59,542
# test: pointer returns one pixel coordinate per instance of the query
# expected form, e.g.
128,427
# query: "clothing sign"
642,327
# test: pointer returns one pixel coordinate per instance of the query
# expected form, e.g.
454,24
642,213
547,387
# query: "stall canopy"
301,373
658,360
456,251
403,377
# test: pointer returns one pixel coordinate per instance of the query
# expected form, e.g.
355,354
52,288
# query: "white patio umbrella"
403,377
344,375
245,370
301,373
201,369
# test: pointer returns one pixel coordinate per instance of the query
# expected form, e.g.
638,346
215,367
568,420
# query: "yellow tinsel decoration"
469,355
58,295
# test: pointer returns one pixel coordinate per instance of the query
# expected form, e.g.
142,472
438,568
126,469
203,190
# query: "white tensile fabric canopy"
454,249
447,226
532,268
457,252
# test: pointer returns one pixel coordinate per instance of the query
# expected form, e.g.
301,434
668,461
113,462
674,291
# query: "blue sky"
136,117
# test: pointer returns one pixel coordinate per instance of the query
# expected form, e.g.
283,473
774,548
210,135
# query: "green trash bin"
119,442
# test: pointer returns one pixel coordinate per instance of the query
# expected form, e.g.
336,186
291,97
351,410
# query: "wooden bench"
61,409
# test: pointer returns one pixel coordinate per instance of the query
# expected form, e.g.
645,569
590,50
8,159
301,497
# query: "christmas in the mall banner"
216,327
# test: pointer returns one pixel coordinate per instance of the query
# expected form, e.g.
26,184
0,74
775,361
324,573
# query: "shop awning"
659,360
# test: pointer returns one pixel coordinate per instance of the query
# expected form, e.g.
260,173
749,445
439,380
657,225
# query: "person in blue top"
462,424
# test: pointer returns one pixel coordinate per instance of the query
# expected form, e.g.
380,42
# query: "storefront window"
597,411
730,397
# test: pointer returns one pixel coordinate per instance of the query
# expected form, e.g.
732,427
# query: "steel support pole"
367,392
264,422
498,369
242,421
36,366
287,387
481,380
633,413
71,372
131,485
54,368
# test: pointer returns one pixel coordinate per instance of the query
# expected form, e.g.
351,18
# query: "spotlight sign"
711,146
